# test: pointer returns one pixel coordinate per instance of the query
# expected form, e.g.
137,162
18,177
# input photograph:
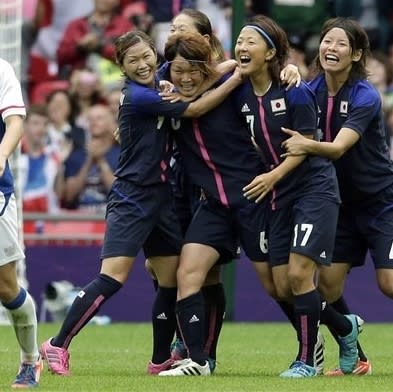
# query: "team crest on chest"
344,107
278,105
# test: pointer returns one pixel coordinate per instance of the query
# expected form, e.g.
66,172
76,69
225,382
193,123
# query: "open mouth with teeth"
144,74
244,59
330,59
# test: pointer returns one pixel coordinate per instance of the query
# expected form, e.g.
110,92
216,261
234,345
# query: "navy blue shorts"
225,228
366,227
212,225
141,218
306,227
251,223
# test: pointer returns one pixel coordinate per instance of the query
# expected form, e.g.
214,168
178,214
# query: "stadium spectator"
297,55
42,32
17,301
353,136
88,173
39,164
113,98
89,41
63,133
86,91
136,11
380,74
54,16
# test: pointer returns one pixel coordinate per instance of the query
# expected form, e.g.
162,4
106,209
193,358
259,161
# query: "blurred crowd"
72,86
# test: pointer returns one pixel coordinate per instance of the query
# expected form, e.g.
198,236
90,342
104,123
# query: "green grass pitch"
250,356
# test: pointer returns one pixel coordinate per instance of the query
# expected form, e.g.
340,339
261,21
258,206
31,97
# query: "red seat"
64,233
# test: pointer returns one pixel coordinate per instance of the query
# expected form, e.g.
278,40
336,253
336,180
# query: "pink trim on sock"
182,336
304,338
212,328
85,318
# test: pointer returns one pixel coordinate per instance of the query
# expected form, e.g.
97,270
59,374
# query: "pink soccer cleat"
57,358
154,369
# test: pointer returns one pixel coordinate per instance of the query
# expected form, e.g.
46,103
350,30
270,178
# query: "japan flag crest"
344,107
278,105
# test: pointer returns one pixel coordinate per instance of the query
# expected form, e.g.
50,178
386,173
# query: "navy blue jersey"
365,169
145,139
218,154
294,109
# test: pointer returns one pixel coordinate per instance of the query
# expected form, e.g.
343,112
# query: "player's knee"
386,285
9,288
330,291
213,276
282,292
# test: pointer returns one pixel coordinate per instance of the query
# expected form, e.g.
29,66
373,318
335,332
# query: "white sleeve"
11,99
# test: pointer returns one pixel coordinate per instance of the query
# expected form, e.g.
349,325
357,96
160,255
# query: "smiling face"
335,52
252,52
186,76
140,63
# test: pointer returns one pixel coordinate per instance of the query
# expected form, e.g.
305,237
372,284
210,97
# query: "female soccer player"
187,195
303,190
354,137
16,300
219,157
140,212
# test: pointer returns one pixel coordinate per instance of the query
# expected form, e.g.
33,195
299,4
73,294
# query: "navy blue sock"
164,323
306,309
85,307
215,303
190,314
336,322
287,308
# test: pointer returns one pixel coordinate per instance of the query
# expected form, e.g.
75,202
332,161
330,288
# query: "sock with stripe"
215,303
307,309
85,306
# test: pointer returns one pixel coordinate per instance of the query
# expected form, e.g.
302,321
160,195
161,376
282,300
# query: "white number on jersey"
250,121
263,242
160,121
305,230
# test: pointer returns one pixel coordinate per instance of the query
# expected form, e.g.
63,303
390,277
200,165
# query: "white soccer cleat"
187,367
319,358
